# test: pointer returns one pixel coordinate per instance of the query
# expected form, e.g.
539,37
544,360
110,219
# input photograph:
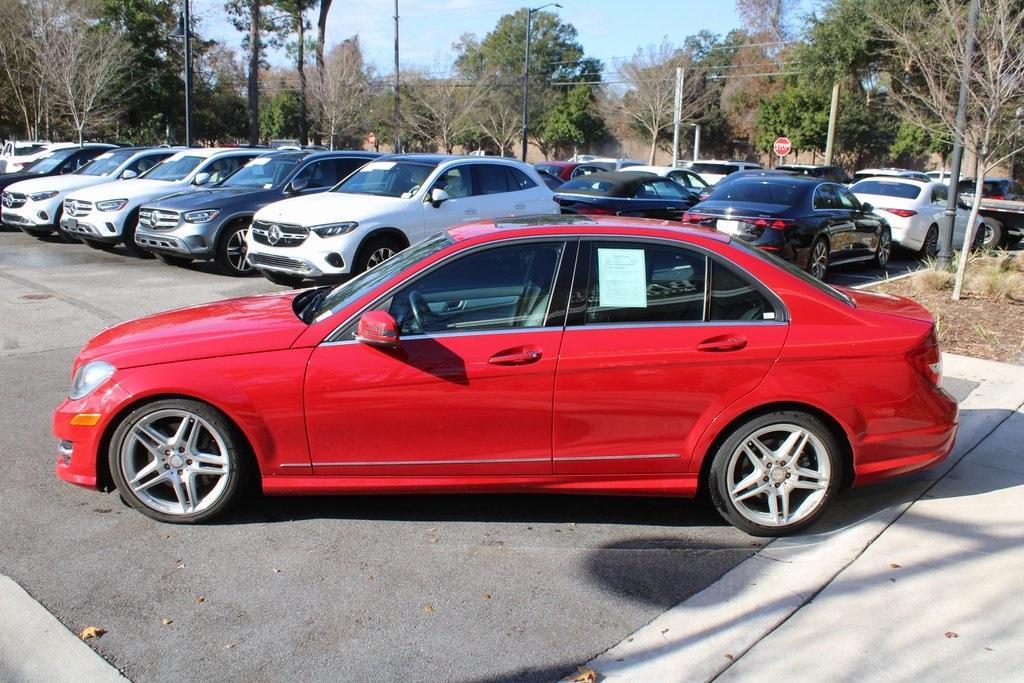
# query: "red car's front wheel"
177,461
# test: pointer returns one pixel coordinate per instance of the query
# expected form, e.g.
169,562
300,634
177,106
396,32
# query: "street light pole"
526,73
398,108
946,230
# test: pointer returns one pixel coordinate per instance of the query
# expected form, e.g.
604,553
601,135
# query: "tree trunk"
654,148
321,40
255,8
965,250
300,64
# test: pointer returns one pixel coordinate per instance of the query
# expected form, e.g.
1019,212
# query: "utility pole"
833,112
188,74
696,141
398,108
946,228
677,115
526,73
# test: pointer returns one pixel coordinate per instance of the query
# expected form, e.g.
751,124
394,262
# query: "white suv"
713,170
385,206
107,214
40,201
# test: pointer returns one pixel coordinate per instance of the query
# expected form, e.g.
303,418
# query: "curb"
35,646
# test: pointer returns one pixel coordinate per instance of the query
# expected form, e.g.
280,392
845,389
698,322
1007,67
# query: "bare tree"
17,62
440,108
499,117
83,65
929,43
340,92
650,81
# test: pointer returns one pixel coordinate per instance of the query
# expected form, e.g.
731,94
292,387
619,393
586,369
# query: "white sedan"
914,210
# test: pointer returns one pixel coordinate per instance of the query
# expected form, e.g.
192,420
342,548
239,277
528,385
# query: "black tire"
125,447
226,254
815,265
371,251
730,456
171,260
282,279
128,237
930,246
101,246
884,250
991,235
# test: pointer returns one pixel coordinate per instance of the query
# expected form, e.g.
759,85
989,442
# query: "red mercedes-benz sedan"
555,354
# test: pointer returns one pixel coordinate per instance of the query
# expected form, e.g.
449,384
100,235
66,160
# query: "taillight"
594,210
927,359
776,223
997,196
902,213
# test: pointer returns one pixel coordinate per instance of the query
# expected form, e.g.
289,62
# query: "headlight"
88,377
204,216
333,229
40,196
112,205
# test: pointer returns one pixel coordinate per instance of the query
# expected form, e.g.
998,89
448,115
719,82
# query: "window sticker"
259,161
622,278
379,166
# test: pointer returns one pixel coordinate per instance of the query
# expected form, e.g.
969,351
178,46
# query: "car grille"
279,234
76,208
12,200
158,219
275,261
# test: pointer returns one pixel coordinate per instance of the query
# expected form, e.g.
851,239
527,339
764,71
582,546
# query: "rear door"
866,226
833,220
660,338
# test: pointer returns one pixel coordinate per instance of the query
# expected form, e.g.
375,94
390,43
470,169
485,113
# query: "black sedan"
813,223
625,193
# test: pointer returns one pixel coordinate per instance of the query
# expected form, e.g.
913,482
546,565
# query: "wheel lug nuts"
166,466
181,450
179,471
188,462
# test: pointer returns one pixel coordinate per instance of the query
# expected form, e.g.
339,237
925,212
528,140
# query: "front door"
461,205
652,353
467,391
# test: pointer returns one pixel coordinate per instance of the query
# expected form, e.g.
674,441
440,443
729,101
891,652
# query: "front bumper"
99,226
80,444
30,217
191,240
315,257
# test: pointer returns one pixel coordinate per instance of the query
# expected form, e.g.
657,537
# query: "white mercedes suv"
40,201
105,215
384,207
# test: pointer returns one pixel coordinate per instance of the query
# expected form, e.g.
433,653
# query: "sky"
608,29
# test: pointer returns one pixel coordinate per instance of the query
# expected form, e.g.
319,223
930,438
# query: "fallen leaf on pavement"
730,657
200,598
275,570
428,608
894,565
91,632
166,621
952,634
228,646
583,676
487,596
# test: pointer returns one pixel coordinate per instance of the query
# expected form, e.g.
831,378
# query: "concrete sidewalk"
912,580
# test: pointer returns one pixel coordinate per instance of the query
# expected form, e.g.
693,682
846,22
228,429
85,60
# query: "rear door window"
491,179
825,198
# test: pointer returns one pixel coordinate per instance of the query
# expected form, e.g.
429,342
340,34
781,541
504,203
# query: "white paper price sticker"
622,278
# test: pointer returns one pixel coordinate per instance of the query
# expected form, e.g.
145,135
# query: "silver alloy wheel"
175,462
779,475
931,242
819,260
237,251
379,256
884,249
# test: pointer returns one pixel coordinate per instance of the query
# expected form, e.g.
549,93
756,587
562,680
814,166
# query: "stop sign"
782,146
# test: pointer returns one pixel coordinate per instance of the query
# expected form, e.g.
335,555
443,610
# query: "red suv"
557,354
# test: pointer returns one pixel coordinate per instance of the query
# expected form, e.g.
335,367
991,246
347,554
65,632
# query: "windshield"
263,172
175,168
387,179
51,161
344,294
106,163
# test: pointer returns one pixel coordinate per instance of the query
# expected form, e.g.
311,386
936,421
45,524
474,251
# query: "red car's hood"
889,303
247,325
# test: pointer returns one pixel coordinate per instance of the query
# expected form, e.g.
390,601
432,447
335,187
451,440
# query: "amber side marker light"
85,419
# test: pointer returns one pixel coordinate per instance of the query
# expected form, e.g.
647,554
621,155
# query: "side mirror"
438,197
866,208
129,174
297,185
378,328
201,179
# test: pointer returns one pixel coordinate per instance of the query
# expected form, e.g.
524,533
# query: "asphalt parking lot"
356,588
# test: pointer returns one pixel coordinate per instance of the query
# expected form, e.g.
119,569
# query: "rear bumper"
882,455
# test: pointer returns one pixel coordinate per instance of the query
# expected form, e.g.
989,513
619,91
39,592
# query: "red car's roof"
575,225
